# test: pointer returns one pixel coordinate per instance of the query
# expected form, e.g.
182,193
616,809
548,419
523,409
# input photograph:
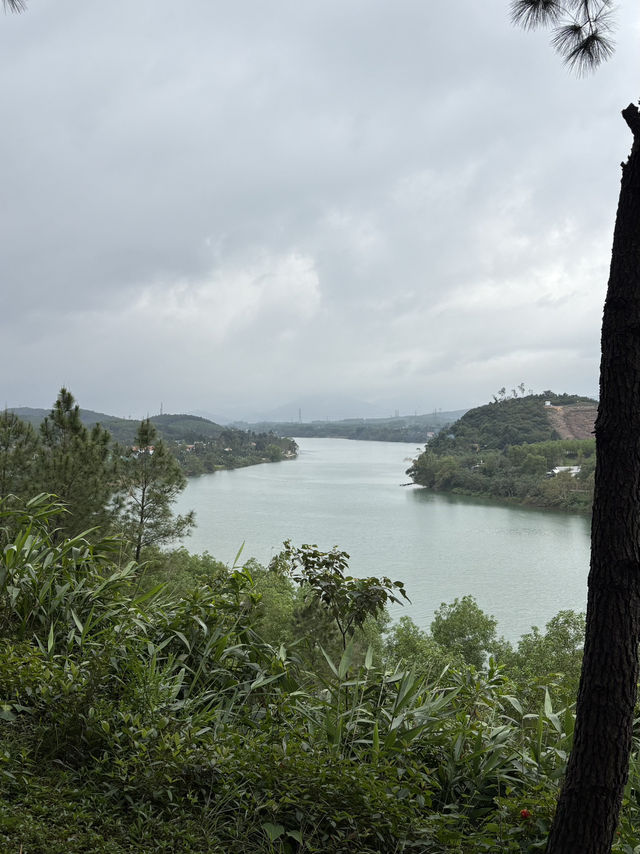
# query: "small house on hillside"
573,470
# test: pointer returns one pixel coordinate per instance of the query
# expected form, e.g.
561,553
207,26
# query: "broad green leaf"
548,708
273,831
183,639
77,621
237,557
515,703
265,680
345,661
368,659
50,640
555,723
329,662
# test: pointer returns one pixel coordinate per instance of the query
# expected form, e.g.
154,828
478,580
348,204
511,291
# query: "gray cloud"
207,203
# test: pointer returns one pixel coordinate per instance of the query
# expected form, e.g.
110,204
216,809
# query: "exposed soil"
573,422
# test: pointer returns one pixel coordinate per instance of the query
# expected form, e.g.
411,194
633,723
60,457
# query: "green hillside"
177,428
511,449
200,446
505,422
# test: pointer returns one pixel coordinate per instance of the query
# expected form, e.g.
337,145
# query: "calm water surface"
522,565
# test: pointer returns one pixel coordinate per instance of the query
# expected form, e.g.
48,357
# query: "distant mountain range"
310,408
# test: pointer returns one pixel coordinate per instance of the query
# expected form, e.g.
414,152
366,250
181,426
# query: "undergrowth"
137,719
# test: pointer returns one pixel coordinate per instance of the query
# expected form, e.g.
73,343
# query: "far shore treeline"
399,428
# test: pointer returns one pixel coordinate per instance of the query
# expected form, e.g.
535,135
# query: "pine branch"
14,5
581,28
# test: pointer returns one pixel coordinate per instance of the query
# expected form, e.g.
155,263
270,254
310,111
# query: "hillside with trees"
511,449
200,446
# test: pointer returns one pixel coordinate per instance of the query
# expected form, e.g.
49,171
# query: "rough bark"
589,805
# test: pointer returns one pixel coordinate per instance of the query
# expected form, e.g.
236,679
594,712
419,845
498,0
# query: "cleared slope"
573,422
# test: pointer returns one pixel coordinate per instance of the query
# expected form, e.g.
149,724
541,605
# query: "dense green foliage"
508,450
74,463
348,601
140,718
18,447
177,704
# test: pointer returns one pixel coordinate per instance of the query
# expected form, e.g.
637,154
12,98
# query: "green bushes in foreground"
135,718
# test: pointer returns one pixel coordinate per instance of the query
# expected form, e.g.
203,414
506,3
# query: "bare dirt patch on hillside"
573,422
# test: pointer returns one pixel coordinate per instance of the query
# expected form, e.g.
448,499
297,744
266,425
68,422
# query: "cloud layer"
224,206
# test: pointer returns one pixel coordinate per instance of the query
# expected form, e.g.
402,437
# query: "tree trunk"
589,805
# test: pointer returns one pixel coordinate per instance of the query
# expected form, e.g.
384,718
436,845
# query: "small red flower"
525,814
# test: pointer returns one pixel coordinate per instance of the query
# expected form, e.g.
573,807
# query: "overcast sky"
226,206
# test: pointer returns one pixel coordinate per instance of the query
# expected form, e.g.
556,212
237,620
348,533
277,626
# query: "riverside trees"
597,772
148,482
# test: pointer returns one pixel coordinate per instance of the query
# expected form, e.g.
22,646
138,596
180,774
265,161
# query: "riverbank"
233,450
554,475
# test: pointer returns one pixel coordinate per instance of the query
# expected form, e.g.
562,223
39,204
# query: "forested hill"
537,449
177,428
519,421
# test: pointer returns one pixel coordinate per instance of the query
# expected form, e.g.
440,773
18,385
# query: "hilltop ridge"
519,421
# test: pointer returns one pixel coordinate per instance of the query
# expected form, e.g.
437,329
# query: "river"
522,565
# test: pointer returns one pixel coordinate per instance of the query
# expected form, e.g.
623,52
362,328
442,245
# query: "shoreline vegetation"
529,449
180,704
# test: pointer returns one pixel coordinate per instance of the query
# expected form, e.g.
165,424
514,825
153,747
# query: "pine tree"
149,481
18,447
76,464
589,804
